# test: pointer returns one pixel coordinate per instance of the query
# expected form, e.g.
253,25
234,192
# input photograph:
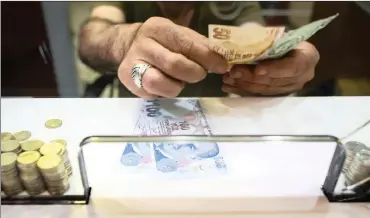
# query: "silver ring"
138,72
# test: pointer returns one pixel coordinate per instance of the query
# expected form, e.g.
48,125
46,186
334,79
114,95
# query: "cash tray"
331,148
333,154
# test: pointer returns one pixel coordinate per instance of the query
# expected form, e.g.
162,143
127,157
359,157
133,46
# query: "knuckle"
154,25
186,45
171,62
150,82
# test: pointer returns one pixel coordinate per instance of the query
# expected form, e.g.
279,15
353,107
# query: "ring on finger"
138,72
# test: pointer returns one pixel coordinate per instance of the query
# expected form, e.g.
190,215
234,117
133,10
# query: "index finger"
298,61
191,44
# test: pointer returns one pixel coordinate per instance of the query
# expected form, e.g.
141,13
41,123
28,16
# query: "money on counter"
352,148
29,173
55,148
253,43
11,146
61,141
32,145
359,169
53,123
10,181
22,135
6,136
54,172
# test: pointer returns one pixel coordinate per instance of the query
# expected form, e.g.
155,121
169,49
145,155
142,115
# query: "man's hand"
178,55
274,77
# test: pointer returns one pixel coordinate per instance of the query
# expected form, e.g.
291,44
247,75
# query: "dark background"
27,67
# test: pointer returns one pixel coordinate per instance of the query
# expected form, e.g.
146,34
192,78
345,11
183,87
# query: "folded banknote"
253,43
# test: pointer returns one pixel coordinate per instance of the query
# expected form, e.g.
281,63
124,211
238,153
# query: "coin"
51,148
10,181
32,145
10,146
54,173
8,160
5,136
352,148
50,161
53,123
359,168
58,149
61,141
28,157
22,135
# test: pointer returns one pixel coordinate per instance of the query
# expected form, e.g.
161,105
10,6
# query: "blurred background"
39,59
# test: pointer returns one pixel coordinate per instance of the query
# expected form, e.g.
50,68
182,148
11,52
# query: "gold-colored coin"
5,136
61,141
32,145
53,123
51,148
49,161
22,135
28,157
8,159
9,146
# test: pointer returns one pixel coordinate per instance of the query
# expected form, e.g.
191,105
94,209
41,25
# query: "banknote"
178,160
175,117
247,45
292,38
137,157
239,45
187,160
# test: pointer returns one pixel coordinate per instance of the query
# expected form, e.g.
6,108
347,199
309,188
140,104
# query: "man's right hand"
178,55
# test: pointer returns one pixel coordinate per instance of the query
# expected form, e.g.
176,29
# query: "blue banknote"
188,159
174,117
137,157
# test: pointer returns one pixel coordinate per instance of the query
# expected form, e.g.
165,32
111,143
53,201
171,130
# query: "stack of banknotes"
253,43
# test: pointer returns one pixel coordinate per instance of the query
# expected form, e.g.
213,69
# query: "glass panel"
183,168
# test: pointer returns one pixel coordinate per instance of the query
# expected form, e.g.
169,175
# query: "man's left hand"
274,77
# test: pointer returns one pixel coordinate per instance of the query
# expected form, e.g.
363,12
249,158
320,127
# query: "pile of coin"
10,181
359,169
29,173
54,172
352,148
57,148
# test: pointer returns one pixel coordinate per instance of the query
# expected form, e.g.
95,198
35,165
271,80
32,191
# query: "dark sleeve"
251,13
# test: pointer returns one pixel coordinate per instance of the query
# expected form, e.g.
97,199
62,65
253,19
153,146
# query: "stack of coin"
359,169
32,145
54,173
29,173
11,146
5,136
10,182
58,149
352,148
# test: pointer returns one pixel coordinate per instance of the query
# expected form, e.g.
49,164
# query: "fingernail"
262,72
236,75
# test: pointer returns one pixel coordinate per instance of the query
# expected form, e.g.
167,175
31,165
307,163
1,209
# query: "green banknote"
292,38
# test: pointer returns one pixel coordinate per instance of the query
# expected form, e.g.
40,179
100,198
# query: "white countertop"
337,116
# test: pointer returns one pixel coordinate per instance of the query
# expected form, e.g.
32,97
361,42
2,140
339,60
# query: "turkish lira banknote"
176,159
252,43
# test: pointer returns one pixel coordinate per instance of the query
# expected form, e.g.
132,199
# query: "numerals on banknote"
253,43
